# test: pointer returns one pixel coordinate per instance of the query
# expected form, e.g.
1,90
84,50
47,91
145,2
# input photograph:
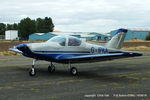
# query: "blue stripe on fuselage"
61,51
72,52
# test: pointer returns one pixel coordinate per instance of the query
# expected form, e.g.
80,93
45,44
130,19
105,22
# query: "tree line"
28,26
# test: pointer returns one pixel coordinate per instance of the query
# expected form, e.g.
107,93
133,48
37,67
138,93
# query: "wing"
96,58
15,50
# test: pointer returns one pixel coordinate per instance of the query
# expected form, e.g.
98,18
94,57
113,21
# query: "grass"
137,41
9,53
124,41
138,48
135,85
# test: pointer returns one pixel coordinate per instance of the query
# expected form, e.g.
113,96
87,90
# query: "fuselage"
50,50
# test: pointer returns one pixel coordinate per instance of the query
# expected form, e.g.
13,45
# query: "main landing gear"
51,68
73,70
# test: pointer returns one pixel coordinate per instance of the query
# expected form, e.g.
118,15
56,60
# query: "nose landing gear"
32,71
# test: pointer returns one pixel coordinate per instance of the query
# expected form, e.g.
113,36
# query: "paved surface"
125,79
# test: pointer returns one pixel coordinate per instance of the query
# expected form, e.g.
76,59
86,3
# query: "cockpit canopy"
71,41
59,39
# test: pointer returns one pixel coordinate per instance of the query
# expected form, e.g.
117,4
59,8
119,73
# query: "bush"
148,37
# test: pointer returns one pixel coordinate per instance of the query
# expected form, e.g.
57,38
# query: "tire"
51,68
32,72
74,71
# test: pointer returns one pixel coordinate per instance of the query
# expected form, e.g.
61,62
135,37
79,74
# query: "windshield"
59,39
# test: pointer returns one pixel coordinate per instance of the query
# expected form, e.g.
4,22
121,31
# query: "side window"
74,42
62,41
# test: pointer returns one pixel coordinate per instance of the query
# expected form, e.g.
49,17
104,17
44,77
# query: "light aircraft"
70,49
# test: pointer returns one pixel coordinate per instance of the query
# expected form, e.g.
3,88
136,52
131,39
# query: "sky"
80,15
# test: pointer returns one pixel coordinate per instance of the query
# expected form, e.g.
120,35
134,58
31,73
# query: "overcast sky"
80,15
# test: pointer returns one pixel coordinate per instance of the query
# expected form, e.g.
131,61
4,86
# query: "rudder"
117,40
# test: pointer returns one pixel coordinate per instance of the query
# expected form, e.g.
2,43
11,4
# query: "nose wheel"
32,72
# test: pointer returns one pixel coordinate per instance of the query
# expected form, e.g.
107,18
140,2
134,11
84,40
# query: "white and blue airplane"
69,50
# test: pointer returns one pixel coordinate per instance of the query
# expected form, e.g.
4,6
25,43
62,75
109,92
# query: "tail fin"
117,40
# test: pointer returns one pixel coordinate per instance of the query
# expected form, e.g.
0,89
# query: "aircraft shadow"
106,74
